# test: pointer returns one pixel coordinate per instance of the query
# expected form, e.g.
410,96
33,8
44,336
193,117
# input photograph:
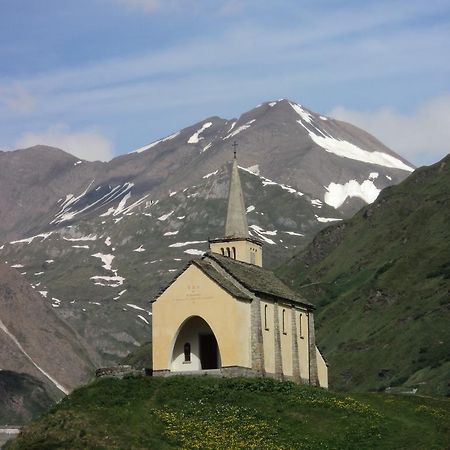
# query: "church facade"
225,314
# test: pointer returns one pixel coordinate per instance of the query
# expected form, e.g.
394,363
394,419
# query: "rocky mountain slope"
98,240
332,161
37,348
382,283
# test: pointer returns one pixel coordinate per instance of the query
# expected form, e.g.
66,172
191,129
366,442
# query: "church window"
223,251
283,315
187,352
228,251
266,323
234,252
300,327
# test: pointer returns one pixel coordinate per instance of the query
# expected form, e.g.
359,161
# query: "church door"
208,351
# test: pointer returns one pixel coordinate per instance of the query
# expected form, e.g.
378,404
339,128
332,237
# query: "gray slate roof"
258,280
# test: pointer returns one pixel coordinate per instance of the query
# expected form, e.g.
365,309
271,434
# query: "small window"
300,326
284,321
228,251
234,252
266,323
187,352
223,251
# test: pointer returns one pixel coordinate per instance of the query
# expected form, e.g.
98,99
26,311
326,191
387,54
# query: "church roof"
259,281
236,224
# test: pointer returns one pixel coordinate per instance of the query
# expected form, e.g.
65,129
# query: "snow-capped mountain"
98,240
331,161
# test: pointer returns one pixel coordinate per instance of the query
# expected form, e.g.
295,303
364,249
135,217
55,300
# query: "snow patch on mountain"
165,216
144,319
170,233
44,236
195,138
211,174
267,182
114,281
106,260
239,129
194,252
131,305
153,144
261,233
89,237
250,209
139,249
337,193
305,115
326,219
344,148
183,244
254,169
207,147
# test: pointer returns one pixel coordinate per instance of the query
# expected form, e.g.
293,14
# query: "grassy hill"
381,281
213,413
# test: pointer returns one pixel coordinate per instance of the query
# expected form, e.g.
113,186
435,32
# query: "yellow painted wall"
268,336
194,294
286,338
246,251
322,370
303,344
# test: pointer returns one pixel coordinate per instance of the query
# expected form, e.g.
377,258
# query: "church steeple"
237,242
236,224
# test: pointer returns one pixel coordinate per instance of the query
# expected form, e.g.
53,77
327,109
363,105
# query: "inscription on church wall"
193,292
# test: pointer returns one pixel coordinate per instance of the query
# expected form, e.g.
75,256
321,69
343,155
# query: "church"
225,314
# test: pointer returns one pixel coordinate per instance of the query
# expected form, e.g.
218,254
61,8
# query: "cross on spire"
234,145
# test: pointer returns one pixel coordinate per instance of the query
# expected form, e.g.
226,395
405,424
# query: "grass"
382,288
213,413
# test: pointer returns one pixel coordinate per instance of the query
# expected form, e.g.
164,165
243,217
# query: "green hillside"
381,281
213,413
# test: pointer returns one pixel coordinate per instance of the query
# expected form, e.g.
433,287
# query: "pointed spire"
236,224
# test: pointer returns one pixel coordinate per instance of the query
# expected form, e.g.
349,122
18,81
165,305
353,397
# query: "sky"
100,78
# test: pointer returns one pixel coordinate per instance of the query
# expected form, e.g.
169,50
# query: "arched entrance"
195,347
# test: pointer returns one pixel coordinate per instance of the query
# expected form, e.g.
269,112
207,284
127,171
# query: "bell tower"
237,243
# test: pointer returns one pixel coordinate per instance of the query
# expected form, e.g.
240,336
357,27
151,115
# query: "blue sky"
101,77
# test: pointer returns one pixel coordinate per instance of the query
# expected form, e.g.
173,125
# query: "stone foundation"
118,372
231,372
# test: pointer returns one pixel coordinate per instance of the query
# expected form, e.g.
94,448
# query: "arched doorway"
195,347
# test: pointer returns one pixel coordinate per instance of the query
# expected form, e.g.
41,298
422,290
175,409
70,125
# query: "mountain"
98,240
332,161
41,357
22,397
235,413
381,281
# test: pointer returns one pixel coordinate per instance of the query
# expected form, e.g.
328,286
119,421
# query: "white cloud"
423,136
88,144
17,98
